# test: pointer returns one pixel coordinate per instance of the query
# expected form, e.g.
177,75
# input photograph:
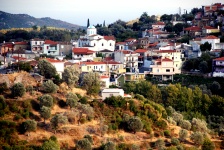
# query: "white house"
95,41
159,25
127,57
82,54
112,92
212,40
59,65
36,45
51,48
105,80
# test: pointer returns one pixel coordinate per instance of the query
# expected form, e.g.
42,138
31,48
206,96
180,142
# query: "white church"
96,42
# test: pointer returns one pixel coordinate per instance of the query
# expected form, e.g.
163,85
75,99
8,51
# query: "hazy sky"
77,12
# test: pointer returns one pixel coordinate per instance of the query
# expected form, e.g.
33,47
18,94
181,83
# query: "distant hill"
8,20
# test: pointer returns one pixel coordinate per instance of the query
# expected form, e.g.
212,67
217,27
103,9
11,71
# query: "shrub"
197,138
83,100
17,117
139,97
89,138
71,100
177,117
3,105
29,125
109,146
175,141
135,124
57,120
3,87
199,125
167,133
45,112
208,145
83,144
161,124
50,145
185,124
183,134
18,90
46,100
29,88
160,144
49,87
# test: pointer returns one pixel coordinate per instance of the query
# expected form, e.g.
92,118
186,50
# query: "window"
110,44
94,44
157,70
111,95
167,70
176,65
102,44
101,67
47,47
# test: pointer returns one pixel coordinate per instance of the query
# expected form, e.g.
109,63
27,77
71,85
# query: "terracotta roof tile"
193,28
140,50
210,37
109,38
50,42
53,60
219,59
85,51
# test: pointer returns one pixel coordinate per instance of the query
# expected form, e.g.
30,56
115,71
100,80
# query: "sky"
78,11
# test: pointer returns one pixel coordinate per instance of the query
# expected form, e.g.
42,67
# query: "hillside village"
168,83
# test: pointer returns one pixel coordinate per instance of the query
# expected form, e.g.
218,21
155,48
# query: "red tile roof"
159,23
127,52
219,59
109,38
93,63
140,50
53,60
18,58
129,40
210,37
113,62
107,59
104,77
209,27
85,51
165,51
193,28
21,43
50,42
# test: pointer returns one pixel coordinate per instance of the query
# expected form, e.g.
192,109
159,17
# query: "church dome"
91,27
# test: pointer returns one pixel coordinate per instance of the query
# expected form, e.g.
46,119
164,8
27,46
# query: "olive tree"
183,134
46,69
208,145
185,124
58,120
18,90
51,144
160,144
29,125
71,99
49,87
85,109
70,76
46,100
45,112
109,146
83,144
197,138
199,125
135,124
91,83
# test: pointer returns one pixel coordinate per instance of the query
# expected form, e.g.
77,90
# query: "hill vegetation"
26,21
69,119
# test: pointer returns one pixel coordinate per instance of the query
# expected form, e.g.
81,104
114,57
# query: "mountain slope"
8,20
